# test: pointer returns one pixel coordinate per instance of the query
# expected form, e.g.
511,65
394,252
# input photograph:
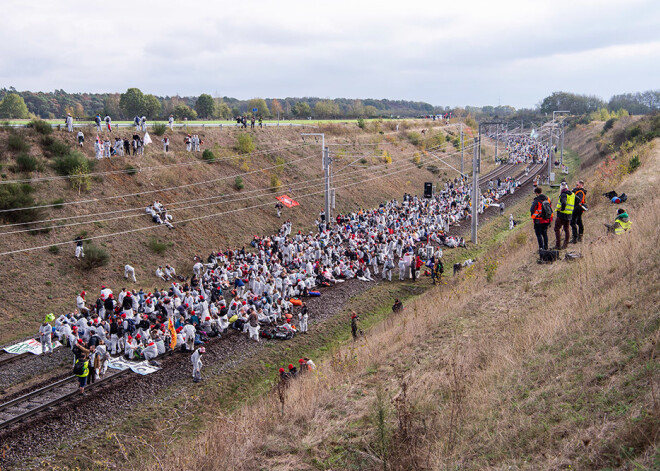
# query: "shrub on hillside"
434,140
26,163
275,182
608,125
208,155
634,164
415,138
80,179
58,203
54,249
14,195
130,170
54,148
95,257
17,143
361,123
42,127
238,183
159,129
159,247
244,143
66,164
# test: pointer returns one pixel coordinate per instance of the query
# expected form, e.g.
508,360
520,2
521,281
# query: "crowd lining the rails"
259,291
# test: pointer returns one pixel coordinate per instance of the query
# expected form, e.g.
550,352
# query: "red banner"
286,201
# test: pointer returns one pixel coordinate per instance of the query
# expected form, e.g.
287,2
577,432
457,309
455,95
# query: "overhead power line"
197,218
156,167
215,197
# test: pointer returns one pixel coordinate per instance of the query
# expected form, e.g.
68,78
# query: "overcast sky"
442,52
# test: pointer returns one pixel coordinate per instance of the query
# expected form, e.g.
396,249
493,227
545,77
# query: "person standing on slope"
565,208
541,212
577,228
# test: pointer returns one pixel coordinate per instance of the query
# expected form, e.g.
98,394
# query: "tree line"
57,104
53,105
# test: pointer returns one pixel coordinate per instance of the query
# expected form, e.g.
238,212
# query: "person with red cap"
80,304
354,325
130,347
293,371
283,374
196,360
150,351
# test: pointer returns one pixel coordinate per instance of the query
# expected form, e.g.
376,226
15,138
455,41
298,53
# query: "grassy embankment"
253,377
543,367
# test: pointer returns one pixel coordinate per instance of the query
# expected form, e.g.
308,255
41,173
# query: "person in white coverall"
151,351
196,360
45,332
69,123
189,334
129,271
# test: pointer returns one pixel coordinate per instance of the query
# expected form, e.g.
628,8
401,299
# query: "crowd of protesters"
260,291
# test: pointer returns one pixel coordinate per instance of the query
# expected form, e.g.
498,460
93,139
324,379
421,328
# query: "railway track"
47,397
40,400
6,358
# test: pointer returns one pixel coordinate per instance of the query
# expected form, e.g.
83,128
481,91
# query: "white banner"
119,364
32,346
141,368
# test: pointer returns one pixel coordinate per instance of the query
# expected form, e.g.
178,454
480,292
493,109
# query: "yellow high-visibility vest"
570,204
621,227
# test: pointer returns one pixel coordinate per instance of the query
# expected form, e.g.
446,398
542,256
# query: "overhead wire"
158,190
197,218
155,167
292,188
155,191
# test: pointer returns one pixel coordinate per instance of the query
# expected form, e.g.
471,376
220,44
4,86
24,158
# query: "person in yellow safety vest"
84,372
565,207
621,224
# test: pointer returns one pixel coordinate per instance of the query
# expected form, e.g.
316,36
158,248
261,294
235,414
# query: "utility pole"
325,161
550,156
475,191
326,168
462,146
497,136
561,155
554,114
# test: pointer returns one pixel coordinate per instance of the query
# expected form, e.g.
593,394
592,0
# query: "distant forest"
55,105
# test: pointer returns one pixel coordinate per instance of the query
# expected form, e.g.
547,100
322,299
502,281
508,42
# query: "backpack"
546,210
548,256
78,367
131,326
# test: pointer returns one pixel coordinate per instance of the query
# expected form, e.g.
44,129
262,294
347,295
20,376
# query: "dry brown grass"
545,368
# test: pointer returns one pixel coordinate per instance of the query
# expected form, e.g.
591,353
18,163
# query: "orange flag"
170,326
